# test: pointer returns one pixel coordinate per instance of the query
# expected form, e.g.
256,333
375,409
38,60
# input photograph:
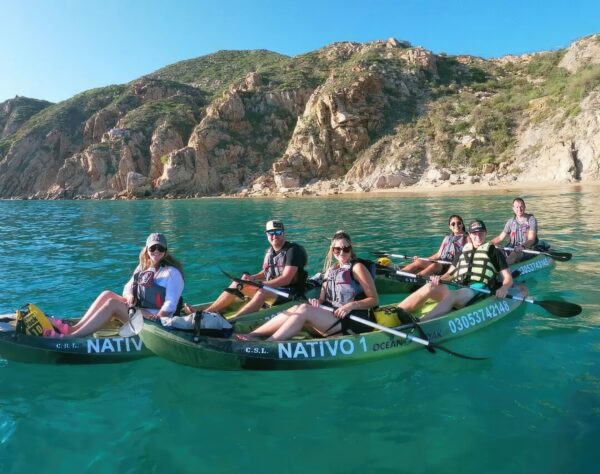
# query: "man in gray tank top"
522,230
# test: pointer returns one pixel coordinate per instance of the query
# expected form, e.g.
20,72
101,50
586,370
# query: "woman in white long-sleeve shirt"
155,286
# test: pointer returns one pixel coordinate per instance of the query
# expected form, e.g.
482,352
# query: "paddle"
406,257
560,256
563,309
430,345
135,324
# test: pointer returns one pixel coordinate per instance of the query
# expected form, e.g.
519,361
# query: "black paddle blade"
560,256
238,280
563,309
456,354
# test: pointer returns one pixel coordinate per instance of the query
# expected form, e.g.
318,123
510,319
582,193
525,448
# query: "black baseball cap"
477,226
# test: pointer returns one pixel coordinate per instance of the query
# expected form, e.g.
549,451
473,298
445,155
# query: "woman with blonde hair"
155,287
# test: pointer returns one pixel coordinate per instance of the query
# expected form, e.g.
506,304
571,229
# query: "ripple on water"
539,388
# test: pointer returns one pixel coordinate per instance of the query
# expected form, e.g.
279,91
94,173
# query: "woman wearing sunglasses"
451,246
155,286
348,287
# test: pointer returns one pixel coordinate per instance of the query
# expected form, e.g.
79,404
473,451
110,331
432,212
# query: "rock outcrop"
350,117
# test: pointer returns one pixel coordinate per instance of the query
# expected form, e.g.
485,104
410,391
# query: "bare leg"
226,299
273,324
254,304
454,299
515,256
416,299
112,308
433,269
100,301
415,267
306,315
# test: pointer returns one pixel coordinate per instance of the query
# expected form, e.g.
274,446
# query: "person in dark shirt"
283,267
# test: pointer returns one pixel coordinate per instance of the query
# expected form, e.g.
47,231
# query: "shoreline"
418,190
441,190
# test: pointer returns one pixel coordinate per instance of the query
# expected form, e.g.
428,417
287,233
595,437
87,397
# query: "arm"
174,289
507,282
448,275
128,288
437,255
260,276
321,299
497,240
286,278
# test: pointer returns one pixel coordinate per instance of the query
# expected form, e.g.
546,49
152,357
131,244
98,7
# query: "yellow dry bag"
32,321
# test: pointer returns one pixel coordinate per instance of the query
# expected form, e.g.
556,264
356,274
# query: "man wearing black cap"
476,266
283,267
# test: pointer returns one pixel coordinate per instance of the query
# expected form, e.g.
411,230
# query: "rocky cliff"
348,117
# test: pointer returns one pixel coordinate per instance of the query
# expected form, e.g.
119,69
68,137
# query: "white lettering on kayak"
533,266
460,323
113,344
316,349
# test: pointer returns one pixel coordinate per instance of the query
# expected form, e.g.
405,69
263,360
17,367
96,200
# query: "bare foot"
247,337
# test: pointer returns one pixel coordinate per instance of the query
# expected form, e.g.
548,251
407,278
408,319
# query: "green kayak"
310,353
387,282
105,346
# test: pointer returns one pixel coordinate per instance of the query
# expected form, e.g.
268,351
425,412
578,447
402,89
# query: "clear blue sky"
54,49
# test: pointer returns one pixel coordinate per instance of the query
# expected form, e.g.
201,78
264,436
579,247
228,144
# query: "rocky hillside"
348,117
15,112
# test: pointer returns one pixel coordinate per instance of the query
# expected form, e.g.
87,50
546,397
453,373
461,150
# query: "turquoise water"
532,407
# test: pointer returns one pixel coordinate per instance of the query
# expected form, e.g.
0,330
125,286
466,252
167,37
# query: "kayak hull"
231,354
105,346
80,350
387,282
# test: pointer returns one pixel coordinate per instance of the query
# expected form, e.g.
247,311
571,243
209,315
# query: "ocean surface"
532,407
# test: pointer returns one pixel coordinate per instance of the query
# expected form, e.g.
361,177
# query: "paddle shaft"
406,257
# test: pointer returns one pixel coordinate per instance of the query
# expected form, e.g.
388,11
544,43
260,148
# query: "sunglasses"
275,232
154,248
455,223
338,250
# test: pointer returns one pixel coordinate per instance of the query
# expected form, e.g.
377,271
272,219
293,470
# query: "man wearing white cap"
283,267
